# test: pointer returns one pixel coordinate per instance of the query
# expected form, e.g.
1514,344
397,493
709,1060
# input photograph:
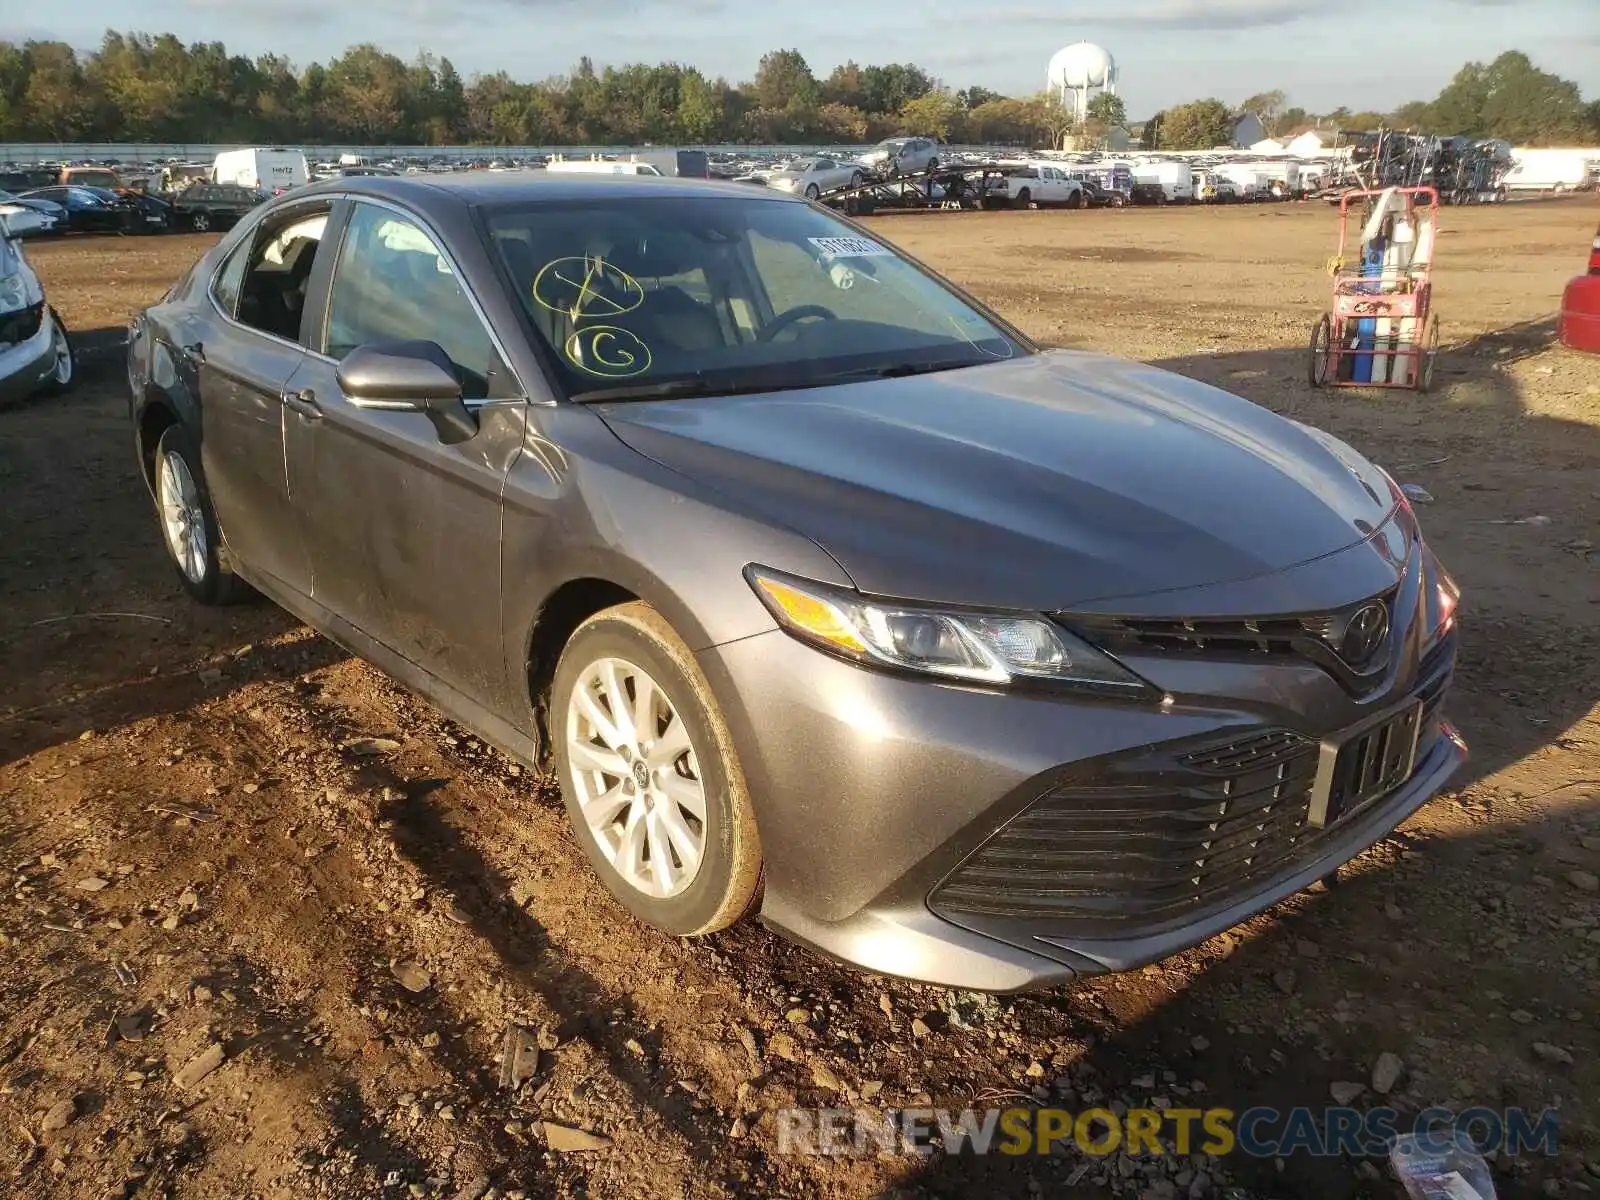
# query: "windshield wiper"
900,370
673,389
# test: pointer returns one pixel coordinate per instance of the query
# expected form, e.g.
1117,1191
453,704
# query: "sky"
1323,53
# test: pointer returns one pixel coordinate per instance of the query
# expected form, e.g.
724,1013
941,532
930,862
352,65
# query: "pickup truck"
206,206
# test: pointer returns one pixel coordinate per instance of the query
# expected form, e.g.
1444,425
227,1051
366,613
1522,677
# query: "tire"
204,571
200,221
1075,200
812,191
1429,356
933,165
66,371
1025,198
633,641
858,180
1321,340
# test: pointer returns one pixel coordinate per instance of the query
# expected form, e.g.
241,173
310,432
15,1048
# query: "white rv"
1548,171
273,171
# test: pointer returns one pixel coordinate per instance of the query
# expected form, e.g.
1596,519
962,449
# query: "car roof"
530,186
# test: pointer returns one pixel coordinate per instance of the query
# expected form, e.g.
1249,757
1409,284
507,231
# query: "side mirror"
408,377
24,223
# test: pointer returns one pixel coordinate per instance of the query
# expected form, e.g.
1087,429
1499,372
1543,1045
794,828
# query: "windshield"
718,294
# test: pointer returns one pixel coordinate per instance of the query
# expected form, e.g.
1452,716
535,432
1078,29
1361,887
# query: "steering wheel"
798,313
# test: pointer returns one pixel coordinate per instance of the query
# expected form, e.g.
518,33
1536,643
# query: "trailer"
954,186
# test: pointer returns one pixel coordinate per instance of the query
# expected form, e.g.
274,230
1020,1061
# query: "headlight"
1443,596
13,293
988,648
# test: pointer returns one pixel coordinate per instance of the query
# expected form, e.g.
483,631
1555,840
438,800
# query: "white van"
1548,170
275,170
599,166
1163,182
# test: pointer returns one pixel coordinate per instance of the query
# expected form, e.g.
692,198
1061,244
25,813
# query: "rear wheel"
1321,340
648,771
1025,198
1075,199
188,523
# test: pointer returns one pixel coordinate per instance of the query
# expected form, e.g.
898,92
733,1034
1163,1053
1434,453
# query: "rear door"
404,531
244,350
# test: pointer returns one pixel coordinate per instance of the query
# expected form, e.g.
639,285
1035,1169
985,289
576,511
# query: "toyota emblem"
1365,633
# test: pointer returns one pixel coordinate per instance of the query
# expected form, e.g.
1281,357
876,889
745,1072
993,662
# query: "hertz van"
273,171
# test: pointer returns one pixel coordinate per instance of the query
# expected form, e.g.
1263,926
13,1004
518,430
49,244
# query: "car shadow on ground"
1328,986
95,630
620,1035
1352,971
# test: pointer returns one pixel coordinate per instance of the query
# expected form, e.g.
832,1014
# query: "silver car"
825,593
902,156
35,350
811,177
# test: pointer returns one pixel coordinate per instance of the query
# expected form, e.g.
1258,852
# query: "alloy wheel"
636,778
182,519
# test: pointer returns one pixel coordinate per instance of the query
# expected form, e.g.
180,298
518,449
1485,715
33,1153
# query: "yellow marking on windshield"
578,286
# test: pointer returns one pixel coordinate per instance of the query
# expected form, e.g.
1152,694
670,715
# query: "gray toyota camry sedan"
826,594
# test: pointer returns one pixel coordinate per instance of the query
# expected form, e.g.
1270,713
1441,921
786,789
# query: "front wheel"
65,370
1075,200
1024,199
189,524
812,191
201,221
649,775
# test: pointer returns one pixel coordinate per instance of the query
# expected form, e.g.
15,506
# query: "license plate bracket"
1364,764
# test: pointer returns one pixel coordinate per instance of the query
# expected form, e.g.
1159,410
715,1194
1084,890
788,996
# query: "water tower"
1078,70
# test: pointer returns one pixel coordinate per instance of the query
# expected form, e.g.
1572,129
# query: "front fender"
597,510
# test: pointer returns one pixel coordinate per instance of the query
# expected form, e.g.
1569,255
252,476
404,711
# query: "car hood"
1044,482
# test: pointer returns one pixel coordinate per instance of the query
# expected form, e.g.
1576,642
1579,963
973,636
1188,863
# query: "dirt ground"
202,862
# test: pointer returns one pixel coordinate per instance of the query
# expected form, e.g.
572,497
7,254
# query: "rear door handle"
303,402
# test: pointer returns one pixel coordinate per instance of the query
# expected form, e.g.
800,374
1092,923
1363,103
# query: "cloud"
1177,14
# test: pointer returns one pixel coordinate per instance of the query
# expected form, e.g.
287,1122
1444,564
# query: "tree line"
141,87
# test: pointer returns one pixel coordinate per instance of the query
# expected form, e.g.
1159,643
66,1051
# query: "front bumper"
27,365
874,793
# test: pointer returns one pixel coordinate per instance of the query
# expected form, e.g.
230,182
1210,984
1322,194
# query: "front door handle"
303,402
195,352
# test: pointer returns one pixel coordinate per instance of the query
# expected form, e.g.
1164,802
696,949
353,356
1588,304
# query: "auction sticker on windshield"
849,247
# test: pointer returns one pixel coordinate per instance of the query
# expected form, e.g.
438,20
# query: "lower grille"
17,327
1167,839
1133,844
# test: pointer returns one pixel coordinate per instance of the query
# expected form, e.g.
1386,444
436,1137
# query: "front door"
404,531
246,355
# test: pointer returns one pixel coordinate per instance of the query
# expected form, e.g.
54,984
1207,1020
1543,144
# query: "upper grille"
1310,637
17,327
